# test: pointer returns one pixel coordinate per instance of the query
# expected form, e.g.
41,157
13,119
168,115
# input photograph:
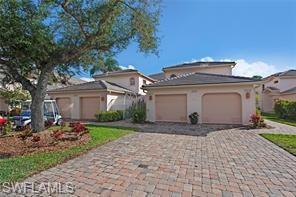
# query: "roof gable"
93,85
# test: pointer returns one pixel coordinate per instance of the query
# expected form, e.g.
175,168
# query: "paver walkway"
229,162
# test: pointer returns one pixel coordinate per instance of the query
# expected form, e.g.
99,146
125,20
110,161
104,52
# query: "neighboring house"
207,88
110,91
281,85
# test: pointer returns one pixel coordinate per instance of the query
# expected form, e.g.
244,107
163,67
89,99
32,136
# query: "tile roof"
93,85
157,76
115,72
291,72
200,79
199,63
289,91
118,72
71,81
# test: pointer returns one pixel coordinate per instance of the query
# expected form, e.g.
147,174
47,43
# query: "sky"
260,35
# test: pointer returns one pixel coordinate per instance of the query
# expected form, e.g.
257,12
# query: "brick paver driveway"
230,162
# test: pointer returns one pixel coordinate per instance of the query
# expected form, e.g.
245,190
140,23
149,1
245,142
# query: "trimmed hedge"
285,109
109,116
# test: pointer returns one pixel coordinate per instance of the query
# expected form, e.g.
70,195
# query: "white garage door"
222,108
89,106
64,105
171,108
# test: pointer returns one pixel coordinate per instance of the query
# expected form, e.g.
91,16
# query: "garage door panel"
172,108
89,106
65,106
222,108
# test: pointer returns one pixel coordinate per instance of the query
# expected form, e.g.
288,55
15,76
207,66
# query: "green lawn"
17,168
275,118
287,142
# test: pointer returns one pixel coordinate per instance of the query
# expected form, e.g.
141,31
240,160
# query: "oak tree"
41,37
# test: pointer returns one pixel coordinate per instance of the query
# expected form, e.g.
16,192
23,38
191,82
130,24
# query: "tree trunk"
38,96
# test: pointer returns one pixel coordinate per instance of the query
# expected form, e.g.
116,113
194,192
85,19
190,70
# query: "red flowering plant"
257,121
36,138
57,134
78,128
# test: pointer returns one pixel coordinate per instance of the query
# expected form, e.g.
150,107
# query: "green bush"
109,116
285,109
137,111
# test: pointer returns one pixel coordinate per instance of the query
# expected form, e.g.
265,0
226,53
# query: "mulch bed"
13,145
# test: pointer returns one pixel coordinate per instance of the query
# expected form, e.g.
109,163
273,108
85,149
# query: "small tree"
13,97
39,38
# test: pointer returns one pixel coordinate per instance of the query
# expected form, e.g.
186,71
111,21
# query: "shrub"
285,109
258,111
57,134
194,118
109,116
257,121
78,128
138,111
8,127
36,138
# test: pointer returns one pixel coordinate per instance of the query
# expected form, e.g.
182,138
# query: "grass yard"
275,118
287,142
17,168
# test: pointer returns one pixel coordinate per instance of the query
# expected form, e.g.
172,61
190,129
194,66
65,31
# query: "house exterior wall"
224,70
194,99
288,97
124,80
266,101
75,98
284,83
118,101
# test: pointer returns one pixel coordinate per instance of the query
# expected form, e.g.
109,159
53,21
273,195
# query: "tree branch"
14,74
64,5
65,56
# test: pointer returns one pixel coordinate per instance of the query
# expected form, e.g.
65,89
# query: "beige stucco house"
281,85
207,88
110,91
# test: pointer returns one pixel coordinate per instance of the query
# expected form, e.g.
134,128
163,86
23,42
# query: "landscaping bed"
14,146
285,141
22,164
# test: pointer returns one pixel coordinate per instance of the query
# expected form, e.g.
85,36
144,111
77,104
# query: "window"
132,81
173,75
276,81
144,81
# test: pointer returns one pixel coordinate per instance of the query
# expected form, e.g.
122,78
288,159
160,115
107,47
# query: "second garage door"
65,106
171,108
222,108
89,106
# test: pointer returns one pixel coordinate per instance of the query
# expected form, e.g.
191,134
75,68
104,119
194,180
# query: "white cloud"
247,69
207,59
127,67
86,79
